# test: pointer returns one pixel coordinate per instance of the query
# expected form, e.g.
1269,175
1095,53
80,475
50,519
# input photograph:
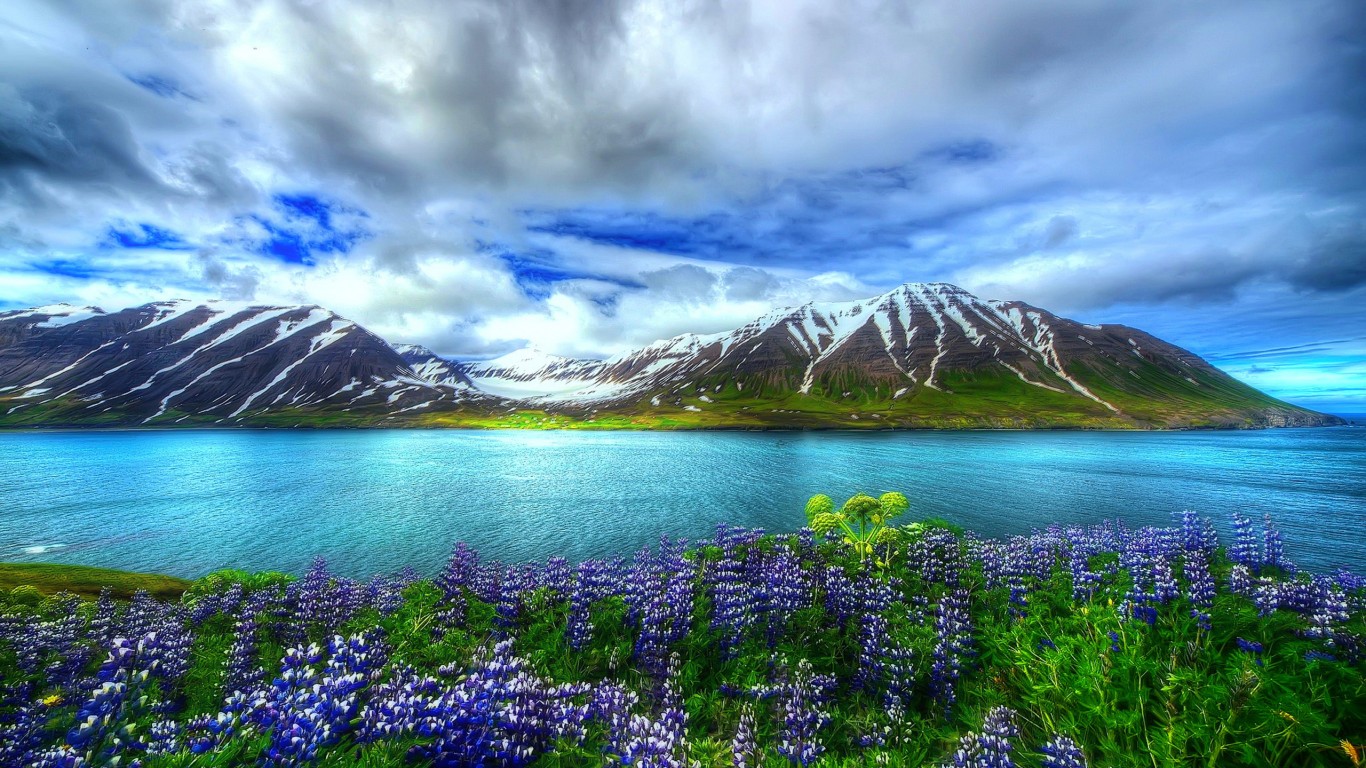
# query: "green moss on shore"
85,581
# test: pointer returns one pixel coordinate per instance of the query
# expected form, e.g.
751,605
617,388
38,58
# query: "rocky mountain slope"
922,355
203,363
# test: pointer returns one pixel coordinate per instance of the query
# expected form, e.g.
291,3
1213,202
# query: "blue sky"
592,176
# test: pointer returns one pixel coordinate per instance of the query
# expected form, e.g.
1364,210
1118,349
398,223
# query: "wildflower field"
854,642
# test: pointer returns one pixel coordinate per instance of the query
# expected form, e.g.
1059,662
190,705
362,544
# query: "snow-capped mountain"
917,337
529,372
919,355
202,361
434,368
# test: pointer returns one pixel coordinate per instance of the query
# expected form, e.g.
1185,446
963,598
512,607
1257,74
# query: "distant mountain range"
922,355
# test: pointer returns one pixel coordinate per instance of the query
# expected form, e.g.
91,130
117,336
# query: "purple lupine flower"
556,576
306,709
1327,610
499,714
103,729
787,588
1202,619
165,652
141,617
1251,647
661,598
1062,752
803,697
459,571
1348,580
241,670
68,655
1245,549
743,748
991,748
732,592
1165,588
509,604
24,735
1197,533
878,651
1199,582
164,737
395,706
657,742
384,594
1273,546
206,733
105,620
323,600
593,580
953,629
841,595
874,648
611,705
487,580
937,555
1084,581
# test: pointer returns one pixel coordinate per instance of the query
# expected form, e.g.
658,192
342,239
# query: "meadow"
857,641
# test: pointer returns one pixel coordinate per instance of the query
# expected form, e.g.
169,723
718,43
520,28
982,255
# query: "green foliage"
26,595
85,581
864,521
218,581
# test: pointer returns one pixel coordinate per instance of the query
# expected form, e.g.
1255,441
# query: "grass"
1154,399
85,581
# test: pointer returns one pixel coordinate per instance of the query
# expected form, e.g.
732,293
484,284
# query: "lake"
188,502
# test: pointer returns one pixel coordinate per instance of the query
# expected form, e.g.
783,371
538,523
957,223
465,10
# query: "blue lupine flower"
1253,648
1062,752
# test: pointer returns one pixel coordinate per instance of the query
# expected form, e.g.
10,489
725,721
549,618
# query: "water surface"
187,502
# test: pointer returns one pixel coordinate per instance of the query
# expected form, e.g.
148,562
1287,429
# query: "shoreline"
1343,423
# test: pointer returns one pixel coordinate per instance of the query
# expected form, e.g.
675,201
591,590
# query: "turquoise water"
373,501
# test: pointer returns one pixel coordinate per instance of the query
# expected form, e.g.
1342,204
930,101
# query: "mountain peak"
922,289
531,354
921,354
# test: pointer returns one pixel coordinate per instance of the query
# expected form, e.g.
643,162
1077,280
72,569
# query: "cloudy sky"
591,175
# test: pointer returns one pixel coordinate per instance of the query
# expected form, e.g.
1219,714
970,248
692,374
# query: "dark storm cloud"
1336,262
55,135
494,94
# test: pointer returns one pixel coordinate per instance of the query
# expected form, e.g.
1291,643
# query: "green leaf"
820,504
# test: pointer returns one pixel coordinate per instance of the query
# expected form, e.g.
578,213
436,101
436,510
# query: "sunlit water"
373,501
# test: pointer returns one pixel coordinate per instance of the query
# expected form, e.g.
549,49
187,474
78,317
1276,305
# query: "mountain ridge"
920,355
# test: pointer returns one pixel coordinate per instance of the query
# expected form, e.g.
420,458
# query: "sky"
592,175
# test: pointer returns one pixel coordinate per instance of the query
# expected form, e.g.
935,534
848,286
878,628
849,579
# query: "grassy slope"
50,578
968,400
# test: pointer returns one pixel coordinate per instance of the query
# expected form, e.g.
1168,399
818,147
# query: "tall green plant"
864,520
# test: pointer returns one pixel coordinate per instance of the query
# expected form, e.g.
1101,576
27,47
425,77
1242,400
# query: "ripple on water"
372,501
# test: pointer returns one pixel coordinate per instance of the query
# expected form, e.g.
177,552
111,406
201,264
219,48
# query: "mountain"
927,355
922,355
530,373
204,363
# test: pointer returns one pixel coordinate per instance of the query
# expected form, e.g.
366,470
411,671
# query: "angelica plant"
863,521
